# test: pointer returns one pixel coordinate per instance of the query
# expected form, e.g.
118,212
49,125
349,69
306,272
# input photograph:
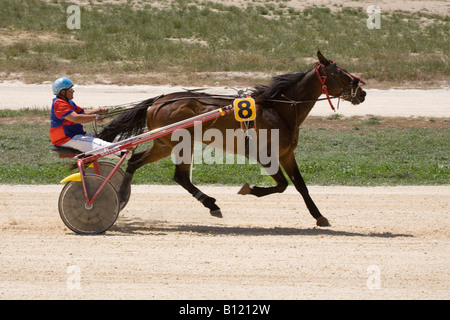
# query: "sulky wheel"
89,219
105,168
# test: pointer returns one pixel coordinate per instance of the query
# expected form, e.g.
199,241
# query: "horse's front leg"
291,168
182,178
272,167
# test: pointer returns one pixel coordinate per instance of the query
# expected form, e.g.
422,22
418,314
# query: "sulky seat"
65,152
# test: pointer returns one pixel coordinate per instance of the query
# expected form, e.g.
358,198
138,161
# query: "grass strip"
361,152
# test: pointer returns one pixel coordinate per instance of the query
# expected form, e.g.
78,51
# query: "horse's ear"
322,59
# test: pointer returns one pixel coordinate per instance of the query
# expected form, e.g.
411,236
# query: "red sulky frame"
126,145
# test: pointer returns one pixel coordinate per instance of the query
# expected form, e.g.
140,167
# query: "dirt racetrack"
384,243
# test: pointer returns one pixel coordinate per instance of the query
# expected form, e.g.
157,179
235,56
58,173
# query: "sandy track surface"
385,243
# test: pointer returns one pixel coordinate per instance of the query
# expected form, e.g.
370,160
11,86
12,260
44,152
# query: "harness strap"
324,86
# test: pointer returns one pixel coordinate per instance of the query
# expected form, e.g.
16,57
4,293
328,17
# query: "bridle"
330,70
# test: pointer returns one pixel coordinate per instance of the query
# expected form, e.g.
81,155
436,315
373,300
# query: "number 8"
244,109
244,106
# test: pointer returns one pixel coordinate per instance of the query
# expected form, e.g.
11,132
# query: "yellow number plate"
244,109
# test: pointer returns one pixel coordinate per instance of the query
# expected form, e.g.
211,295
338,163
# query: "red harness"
324,86
324,78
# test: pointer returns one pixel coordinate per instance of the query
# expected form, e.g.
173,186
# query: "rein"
322,80
294,103
119,109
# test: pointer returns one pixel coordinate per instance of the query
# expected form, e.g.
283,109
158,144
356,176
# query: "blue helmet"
61,84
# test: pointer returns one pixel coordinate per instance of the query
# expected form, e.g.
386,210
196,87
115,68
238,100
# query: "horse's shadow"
135,226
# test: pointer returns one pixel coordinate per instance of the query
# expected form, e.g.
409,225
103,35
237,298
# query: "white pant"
88,142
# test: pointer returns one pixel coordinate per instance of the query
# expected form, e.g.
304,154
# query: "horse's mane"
279,84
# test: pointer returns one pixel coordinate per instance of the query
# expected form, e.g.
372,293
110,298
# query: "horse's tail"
129,123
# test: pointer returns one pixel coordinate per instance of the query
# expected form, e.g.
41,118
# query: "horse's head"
339,82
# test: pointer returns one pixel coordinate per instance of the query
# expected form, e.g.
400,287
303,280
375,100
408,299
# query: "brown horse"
282,105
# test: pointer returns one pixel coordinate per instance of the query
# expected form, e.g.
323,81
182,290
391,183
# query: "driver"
66,120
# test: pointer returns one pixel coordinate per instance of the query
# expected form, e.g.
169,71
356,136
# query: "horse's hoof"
245,189
216,213
323,222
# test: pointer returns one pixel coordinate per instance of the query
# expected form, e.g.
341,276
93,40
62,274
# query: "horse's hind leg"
182,178
156,152
291,168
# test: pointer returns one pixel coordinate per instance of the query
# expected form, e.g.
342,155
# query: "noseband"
330,70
